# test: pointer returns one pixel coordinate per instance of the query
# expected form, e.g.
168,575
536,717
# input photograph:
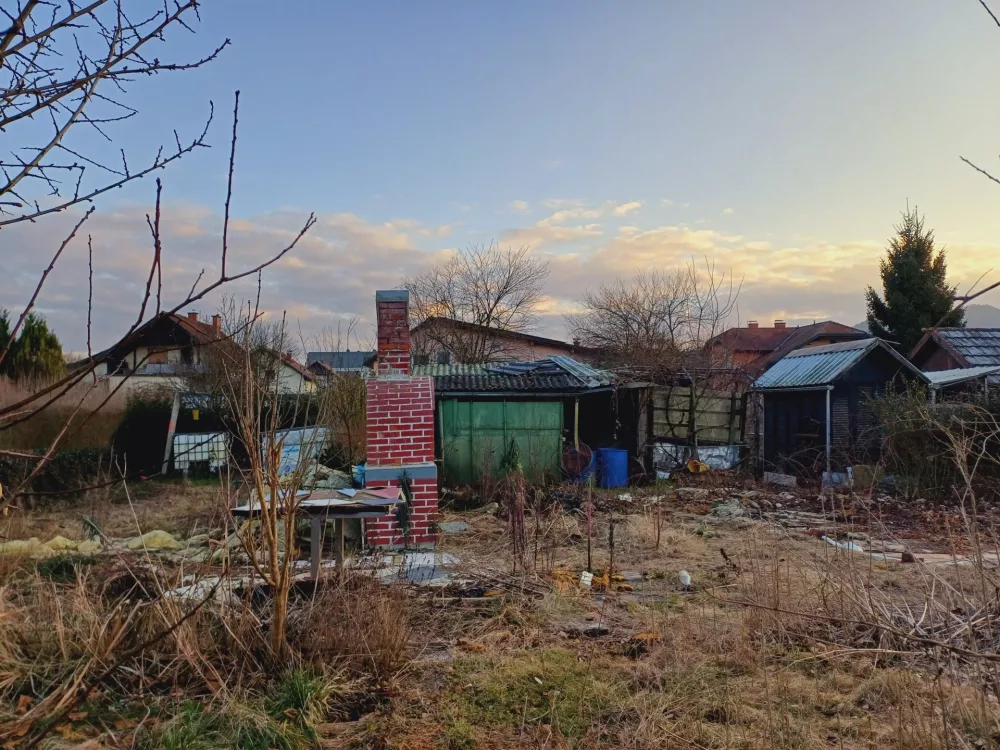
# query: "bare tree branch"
980,170
459,305
51,67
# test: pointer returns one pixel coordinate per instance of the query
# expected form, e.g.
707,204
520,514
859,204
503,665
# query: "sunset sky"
779,139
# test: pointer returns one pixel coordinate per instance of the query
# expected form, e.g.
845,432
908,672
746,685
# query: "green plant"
301,696
285,718
459,734
550,687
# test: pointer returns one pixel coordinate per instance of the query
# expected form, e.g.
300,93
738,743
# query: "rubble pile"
887,527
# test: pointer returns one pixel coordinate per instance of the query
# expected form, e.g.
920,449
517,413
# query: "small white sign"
586,579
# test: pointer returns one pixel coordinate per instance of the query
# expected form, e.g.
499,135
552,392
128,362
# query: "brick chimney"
392,307
752,325
400,431
217,324
193,316
779,324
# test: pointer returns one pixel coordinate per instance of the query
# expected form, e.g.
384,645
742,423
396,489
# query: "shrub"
932,449
66,476
141,438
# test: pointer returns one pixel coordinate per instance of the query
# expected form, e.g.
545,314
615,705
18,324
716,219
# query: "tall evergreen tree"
36,353
915,288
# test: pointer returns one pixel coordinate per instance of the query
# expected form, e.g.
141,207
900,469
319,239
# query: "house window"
444,357
156,357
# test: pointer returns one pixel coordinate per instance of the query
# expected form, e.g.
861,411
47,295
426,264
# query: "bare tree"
253,400
637,321
77,386
657,322
458,305
659,326
65,64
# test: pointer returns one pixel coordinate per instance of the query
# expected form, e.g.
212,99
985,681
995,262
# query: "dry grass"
359,624
174,506
789,643
38,432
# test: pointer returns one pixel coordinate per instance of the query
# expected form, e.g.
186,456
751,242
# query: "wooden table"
338,506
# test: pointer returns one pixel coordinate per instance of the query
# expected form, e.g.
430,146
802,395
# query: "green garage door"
475,436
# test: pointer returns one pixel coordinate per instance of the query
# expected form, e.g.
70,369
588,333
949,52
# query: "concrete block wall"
400,430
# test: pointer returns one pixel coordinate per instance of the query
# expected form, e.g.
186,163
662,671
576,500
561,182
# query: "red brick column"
400,430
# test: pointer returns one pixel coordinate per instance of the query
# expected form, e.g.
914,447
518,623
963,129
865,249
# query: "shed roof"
979,346
555,374
340,360
972,347
942,378
821,365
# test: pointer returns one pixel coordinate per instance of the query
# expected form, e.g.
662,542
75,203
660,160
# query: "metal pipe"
829,469
576,423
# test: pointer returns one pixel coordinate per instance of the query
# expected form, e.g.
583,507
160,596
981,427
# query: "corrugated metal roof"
940,378
591,376
441,371
555,373
821,365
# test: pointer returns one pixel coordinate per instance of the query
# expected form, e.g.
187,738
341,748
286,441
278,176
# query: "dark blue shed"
817,405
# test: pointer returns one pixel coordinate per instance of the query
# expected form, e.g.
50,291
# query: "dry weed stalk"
251,389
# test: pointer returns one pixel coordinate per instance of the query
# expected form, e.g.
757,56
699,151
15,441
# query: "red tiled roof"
771,344
752,339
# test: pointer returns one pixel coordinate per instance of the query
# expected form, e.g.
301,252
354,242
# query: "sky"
777,141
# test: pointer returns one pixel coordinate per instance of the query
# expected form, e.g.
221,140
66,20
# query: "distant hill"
976,316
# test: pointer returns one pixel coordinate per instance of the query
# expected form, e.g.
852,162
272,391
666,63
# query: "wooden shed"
818,413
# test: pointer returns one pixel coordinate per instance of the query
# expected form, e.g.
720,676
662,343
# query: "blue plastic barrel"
612,467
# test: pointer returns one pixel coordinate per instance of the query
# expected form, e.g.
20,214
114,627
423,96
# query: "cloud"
337,267
666,203
519,205
331,274
626,208
546,233
727,212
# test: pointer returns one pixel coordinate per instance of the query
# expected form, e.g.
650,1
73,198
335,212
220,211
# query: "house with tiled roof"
755,348
166,352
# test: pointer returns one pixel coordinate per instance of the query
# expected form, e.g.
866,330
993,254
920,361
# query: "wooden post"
315,546
171,429
338,530
732,418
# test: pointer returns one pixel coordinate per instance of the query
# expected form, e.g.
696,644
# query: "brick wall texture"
400,426
393,337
